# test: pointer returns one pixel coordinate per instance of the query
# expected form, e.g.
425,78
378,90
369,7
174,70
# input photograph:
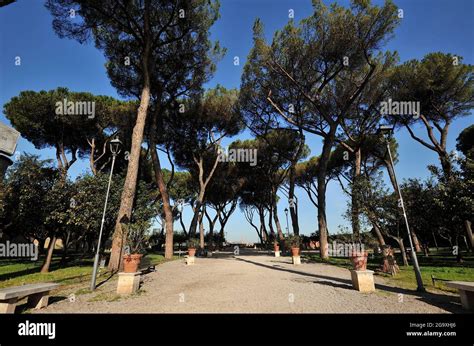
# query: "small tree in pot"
276,245
193,244
294,242
135,246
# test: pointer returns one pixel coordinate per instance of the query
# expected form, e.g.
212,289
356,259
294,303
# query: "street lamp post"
287,226
388,130
114,149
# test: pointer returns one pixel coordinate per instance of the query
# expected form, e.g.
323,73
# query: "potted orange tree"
294,242
193,244
135,247
276,246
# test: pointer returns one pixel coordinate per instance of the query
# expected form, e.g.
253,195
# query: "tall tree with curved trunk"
185,66
444,88
117,20
222,194
167,209
134,35
198,133
361,124
275,152
312,74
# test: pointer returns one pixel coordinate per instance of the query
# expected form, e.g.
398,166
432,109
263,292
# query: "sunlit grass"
75,271
21,273
440,265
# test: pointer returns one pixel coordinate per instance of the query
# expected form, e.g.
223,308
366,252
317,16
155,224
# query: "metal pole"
287,225
96,259
416,267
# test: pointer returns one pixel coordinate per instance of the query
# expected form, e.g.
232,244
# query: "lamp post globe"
115,145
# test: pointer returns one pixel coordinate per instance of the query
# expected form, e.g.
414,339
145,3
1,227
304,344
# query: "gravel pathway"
250,282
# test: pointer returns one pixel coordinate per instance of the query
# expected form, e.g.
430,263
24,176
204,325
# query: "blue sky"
48,62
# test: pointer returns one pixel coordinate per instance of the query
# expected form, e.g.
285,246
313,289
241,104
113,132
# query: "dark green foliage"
293,240
25,192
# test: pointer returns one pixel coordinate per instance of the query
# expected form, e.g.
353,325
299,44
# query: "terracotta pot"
131,263
191,252
359,260
276,247
295,251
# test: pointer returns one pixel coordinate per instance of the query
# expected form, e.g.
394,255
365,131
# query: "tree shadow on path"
445,302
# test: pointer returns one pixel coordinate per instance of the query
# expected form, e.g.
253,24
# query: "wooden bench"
466,292
37,294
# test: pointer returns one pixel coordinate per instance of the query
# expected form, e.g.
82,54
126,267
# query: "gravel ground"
252,282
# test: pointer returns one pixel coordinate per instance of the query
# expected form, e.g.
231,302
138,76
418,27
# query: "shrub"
193,243
293,240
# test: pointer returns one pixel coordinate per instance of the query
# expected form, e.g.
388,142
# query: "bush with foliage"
293,240
193,243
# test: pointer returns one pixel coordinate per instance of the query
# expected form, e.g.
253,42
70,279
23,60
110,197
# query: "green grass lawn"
441,265
15,272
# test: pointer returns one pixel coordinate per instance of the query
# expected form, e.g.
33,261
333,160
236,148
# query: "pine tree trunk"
128,193
470,237
291,195
264,233
416,242
355,210
129,188
212,224
183,226
270,221
278,226
195,219
164,195
65,247
49,255
221,235
262,224
446,165
276,219
321,178
378,234
402,250
435,241
375,228
201,230
260,236
91,157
